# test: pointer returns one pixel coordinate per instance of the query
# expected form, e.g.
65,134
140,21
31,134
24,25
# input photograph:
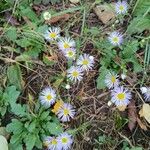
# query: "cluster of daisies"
67,46
64,111
120,96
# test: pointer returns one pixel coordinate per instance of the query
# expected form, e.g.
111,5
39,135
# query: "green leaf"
15,126
15,76
32,126
30,141
54,128
18,110
24,42
141,7
44,115
8,95
138,25
101,78
12,34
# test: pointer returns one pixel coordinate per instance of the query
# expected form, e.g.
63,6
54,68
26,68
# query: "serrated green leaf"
15,126
18,110
44,115
32,126
15,76
12,34
30,141
24,42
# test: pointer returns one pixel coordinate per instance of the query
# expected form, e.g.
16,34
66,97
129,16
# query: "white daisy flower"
75,73
111,80
47,96
66,112
70,53
51,143
85,61
120,96
66,43
65,141
53,33
115,38
121,7
146,92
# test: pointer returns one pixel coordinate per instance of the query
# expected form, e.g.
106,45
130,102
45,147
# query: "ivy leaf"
15,76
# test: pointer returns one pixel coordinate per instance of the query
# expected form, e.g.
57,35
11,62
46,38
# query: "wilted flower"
58,105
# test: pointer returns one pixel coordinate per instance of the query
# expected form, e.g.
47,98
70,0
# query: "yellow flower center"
66,112
54,142
64,140
53,35
121,96
113,79
66,45
49,97
115,39
57,106
85,62
75,74
121,8
70,53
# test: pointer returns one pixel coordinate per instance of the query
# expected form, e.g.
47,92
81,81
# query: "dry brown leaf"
104,13
145,112
142,126
55,19
132,115
122,108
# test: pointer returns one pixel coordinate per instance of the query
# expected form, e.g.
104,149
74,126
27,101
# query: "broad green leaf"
3,143
15,76
12,34
30,141
54,128
15,126
138,25
15,138
44,115
32,126
18,110
15,146
24,42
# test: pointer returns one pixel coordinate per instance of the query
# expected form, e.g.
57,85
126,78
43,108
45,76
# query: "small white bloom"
75,73
115,38
69,53
120,96
53,33
109,103
121,7
66,112
85,61
111,80
67,87
47,96
123,76
65,141
66,43
146,92
51,143
46,15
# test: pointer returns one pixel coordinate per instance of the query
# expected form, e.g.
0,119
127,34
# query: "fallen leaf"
3,143
132,115
122,107
145,112
55,19
142,126
105,13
